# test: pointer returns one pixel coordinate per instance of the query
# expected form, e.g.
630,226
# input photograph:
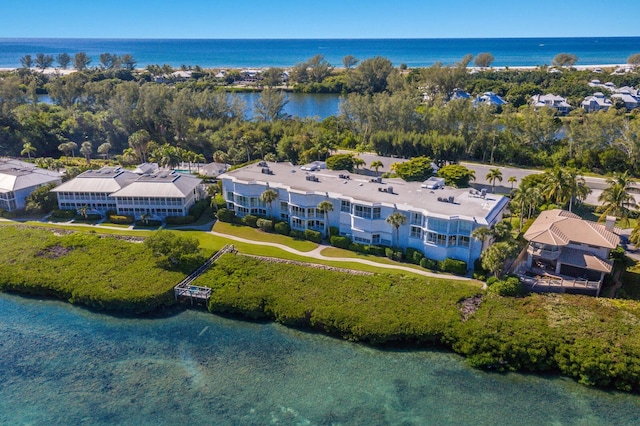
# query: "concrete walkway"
317,254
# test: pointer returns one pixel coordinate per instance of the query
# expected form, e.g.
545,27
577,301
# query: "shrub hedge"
265,224
64,214
121,219
251,220
103,273
313,236
340,242
594,340
179,220
226,215
282,228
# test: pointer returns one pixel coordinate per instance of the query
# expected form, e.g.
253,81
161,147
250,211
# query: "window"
452,240
375,239
229,196
376,212
416,219
437,225
361,240
284,206
345,206
465,227
297,223
437,239
463,241
362,211
416,232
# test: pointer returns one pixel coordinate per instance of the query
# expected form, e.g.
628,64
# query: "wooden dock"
198,295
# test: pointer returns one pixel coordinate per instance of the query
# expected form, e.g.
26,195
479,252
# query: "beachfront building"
567,253
18,179
596,102
556,102
158,195
439,222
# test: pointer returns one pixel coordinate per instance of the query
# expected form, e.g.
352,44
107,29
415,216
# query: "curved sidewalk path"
316,254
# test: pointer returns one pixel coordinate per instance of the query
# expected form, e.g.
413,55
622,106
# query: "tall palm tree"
556,186
376,165
578,188
493,176
512,180
326,207
358,162
616,201
396,219
268,197
86,149
482,233
28,149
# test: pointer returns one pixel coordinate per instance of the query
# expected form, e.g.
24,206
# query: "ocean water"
60,364
285,53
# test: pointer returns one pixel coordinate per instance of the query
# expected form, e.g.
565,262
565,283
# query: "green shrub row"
121,219
198,208
149,223
103,273
179,220
64,214
594,340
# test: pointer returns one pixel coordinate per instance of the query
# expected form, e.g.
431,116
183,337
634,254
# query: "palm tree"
578,189
268,197
325,207
556,186
28,149
86,149
493,176
104,149
482,233
616,201
358,162
512,180
397,219
376,165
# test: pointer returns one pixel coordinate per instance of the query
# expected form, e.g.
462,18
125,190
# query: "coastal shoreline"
613,67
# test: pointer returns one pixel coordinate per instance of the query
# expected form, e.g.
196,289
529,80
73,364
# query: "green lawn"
257,235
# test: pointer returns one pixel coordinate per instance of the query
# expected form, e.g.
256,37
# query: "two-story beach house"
18,179
568,252
439,220
549,100
158,194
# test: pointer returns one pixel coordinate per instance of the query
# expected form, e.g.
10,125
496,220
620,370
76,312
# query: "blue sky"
317,19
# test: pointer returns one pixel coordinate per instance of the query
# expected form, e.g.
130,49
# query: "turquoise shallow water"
60,364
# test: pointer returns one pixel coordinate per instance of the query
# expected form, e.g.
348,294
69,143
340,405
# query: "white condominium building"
439,221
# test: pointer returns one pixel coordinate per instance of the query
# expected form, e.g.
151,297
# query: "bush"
282,228
398,255
376,250
333,231
357,247
89,217
299,235
340,162
491,280
265,224
454,266
340,242
198,208
510,287
414,255
312,235
64,214
149,223
121,219
427,263
179,220
388,252
226,215
251,220
479,273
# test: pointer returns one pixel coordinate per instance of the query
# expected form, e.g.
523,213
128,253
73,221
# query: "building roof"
550,100
105,180
160,184
467,204
16,175
585,260
559,228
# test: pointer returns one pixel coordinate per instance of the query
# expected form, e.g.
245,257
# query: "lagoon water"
61,364
285,53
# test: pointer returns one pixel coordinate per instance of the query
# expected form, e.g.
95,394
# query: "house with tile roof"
568,251
18,179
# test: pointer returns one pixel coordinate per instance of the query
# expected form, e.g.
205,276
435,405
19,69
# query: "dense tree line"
130,117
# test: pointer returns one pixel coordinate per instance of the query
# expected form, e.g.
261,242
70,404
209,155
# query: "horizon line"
314,38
